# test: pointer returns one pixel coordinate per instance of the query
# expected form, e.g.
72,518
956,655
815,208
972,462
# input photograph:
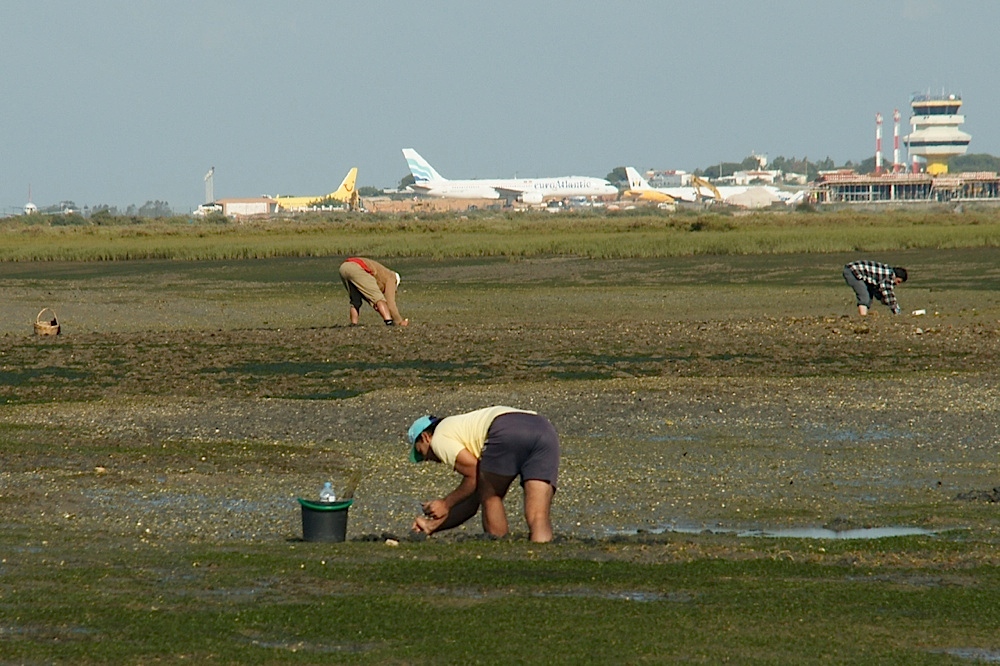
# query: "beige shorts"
364,282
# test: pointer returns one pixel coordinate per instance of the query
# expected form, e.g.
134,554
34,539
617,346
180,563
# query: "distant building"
385,204
668,178
848,187
768,176
208,209
247,207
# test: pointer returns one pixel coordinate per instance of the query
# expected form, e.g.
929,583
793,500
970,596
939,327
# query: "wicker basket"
47,325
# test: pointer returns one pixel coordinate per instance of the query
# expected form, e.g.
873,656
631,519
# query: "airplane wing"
680,193
513,194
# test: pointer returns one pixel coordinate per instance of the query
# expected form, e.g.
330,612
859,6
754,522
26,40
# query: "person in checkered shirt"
874,280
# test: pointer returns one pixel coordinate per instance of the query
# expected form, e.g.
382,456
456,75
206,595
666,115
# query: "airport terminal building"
902,188
935,139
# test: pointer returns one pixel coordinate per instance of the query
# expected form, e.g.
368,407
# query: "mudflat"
153,452
727,393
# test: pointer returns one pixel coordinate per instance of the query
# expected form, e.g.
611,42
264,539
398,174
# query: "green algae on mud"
426,602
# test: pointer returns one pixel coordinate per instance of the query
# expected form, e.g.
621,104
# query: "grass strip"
517,235
484,602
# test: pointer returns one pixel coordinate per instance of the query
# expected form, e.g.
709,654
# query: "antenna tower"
878,143
210,186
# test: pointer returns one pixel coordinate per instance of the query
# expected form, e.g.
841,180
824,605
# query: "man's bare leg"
538,509
862,310
383,310
492,489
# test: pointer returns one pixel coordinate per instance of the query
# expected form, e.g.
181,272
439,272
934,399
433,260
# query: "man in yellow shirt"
489,448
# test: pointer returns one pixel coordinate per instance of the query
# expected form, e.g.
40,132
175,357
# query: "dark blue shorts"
525,445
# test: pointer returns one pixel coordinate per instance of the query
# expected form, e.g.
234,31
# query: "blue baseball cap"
413,434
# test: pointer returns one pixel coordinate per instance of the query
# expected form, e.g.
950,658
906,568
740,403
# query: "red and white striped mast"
878,143
895,140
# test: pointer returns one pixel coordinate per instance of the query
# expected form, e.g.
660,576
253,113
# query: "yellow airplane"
346,193
640,190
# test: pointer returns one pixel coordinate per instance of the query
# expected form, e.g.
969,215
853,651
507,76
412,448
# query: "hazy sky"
123,101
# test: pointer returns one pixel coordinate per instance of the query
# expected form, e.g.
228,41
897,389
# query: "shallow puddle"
975,654
808,532
625,595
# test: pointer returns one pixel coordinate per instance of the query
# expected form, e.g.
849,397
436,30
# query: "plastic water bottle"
326,494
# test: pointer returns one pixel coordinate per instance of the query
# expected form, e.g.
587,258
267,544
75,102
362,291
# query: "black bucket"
324,521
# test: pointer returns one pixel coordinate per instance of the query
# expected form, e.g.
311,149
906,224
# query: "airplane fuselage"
456,189
346,193
527,189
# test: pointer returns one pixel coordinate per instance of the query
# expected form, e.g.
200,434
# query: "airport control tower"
936,136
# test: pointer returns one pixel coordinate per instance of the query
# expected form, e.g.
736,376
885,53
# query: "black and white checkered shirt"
880,277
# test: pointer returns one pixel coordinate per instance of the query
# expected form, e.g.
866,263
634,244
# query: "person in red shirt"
367,280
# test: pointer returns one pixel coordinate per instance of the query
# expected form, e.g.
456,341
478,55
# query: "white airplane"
527,190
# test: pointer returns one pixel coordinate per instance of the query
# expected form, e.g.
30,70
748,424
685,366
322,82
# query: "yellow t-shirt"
466,431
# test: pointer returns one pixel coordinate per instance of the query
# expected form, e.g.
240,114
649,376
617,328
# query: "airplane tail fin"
347,192
635,180
419,167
